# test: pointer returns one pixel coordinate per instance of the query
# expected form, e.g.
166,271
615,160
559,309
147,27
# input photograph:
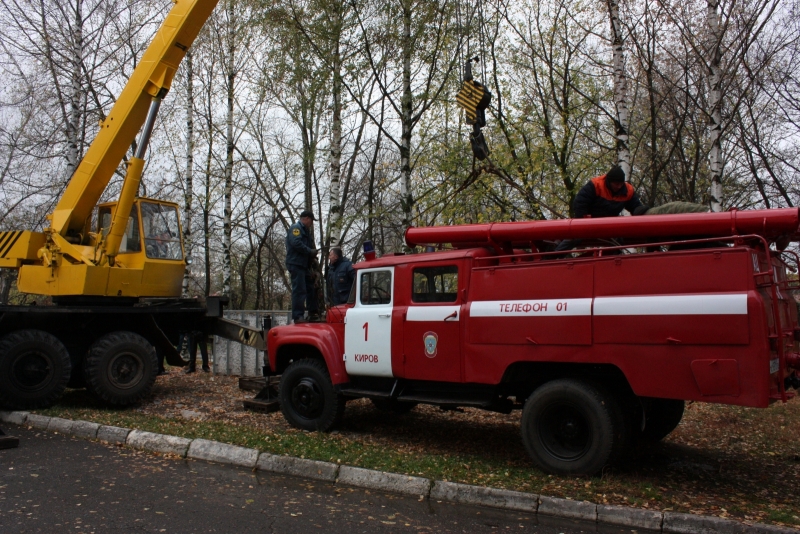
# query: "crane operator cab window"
162,231
130,239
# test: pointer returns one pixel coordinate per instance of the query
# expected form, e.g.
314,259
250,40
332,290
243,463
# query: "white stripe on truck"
531,308
708,304
432,313
713,304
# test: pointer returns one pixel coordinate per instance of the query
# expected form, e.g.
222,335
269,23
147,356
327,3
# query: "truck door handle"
453,315
385,315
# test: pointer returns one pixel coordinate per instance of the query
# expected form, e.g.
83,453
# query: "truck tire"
120,368
572,427
308,400
34,369
395,407
662,416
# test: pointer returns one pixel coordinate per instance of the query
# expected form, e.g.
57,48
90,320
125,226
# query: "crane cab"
150,261
153,231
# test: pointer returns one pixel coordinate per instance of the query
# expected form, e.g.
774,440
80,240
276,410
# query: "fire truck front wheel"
308,400
34,369
121,368
572,427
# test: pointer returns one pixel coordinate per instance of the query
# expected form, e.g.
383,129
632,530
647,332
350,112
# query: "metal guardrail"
231,358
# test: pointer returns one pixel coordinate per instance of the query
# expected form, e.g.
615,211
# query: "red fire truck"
598,347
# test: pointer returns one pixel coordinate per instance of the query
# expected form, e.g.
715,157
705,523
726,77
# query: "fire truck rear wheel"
34,369
662,416
308,400
121,368
573,427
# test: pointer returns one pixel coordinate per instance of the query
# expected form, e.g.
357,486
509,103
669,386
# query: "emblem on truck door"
430,339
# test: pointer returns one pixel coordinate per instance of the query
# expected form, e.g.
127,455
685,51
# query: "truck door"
432,326
368,325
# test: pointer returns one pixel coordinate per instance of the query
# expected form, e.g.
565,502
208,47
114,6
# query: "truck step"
444,401
369,393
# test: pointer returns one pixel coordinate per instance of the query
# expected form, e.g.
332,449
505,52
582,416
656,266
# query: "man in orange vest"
603,196
606,196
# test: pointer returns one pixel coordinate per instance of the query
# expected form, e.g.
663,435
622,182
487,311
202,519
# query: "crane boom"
151,78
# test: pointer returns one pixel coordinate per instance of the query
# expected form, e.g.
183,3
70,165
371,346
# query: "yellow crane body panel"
18,246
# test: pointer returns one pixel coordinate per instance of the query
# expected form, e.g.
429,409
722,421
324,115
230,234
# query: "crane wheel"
34,369
120,368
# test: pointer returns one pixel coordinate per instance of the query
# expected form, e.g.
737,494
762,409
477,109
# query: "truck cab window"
161,230
376,287
130,240
435,284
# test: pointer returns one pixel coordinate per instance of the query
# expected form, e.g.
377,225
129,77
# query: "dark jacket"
597,199
298,247
340,279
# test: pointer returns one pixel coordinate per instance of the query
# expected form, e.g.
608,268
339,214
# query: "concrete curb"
37,421
629,517
17,418
586,511
496,498
214,451
299,467
149,441
113,434
85,429
63,426
201,449
378,480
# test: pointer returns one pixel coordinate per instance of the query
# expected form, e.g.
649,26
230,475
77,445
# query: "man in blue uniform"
340,276
299,251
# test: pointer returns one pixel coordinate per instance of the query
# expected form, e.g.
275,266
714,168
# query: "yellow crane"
116,285
135,250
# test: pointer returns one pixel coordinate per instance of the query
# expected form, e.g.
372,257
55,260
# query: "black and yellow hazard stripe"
469,97
7,241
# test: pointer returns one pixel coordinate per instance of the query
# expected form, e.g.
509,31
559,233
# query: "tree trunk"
188,212
715,104
76,92
229,148
620,89
335,217
7,278
406,198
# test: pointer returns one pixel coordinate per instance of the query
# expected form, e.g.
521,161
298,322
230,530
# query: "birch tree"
621,122
188,210
714,55
411,49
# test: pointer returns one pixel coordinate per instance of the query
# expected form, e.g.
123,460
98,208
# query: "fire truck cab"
597,348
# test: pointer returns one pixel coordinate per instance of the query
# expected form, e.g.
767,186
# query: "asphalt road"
56,483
